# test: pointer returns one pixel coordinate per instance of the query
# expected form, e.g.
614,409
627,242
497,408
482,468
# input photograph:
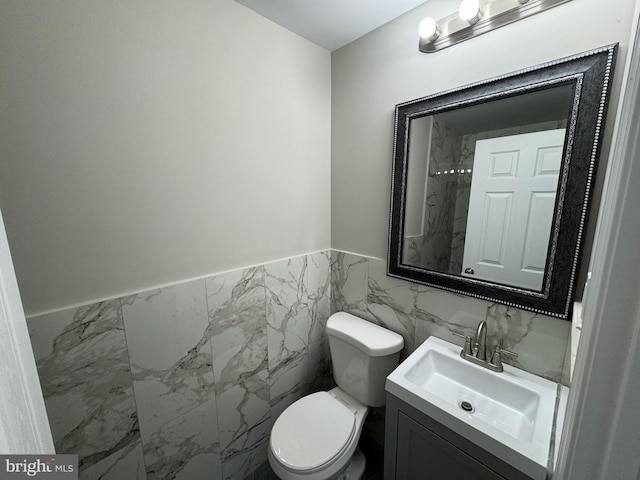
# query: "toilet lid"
311,432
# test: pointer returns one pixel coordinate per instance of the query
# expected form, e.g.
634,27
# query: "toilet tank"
362,355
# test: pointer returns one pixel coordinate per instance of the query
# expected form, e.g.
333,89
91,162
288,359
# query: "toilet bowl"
316,437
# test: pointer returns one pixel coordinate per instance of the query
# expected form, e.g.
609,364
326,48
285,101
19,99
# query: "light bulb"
470,11
429,29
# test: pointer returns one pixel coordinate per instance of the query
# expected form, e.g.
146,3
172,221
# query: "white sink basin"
510,414
496,399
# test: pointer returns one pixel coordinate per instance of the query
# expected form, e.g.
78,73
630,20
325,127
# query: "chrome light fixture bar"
476,17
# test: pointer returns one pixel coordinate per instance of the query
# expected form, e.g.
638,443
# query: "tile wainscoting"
360,285
185,381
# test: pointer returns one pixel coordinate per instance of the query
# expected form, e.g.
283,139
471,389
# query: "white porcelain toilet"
316,437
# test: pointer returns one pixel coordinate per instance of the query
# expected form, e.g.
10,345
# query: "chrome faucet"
480,342
475,350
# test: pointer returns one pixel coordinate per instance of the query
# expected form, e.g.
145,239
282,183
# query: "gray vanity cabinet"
419,448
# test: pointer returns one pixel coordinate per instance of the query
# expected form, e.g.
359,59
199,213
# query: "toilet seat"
319,422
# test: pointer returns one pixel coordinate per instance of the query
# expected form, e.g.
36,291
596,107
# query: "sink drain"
466,406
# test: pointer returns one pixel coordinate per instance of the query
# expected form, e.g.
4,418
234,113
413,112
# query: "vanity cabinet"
419,448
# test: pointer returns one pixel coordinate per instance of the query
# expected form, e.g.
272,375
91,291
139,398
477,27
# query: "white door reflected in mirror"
511,207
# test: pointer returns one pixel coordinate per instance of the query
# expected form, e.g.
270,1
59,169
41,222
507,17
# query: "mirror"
491,183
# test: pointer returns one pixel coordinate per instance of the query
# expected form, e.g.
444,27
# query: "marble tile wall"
84,371
184,381
433,248
361,286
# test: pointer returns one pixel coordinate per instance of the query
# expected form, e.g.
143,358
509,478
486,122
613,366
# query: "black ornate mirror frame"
589,74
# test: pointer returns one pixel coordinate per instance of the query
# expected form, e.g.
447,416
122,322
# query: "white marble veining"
441,313
86,381
391,302
417,312
238,325
247,457
319,292
125,463
185,448
245,422
432,249
320,369
349,287
289,381
169,351
288,313
540,341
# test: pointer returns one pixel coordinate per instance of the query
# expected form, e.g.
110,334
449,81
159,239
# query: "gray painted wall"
376,72
149,142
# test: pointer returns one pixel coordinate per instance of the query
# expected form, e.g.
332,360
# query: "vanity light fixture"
429,29
476,17
469,11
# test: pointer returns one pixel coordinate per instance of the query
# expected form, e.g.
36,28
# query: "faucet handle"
502,350
467,343
508,353
496,359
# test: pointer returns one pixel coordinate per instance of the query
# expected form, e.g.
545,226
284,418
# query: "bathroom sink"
495,399
510,414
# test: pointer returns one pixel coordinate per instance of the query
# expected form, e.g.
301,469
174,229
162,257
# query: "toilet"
316,437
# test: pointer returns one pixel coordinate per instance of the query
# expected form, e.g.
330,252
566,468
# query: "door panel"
513,191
